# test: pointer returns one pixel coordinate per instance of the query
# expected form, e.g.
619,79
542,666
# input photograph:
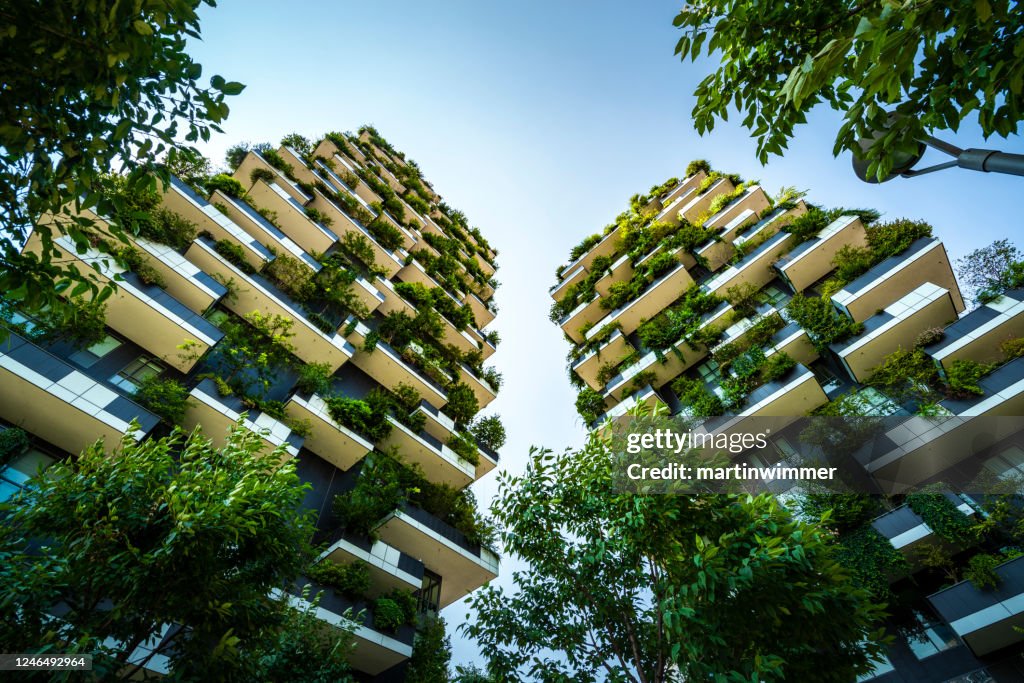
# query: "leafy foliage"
861,59
351,578
166,398
489,432
656,586
208,560
987,272
97,96
431,653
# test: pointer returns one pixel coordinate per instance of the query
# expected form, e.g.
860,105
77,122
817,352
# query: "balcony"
388,368
656,297
769,225
184,281
145,314
812,260
374,651
440,463
253,161
695,205
217,415
611,352
311,236
740,212
717,252
482,389
301,171
442,549
978,334
672,206
606,247
794,341
48,397
924,261
391,262
645,396
908,532
796,394
261,232
620,271
335,443
570,276
481,311
254,293
361,189
682,189
183,200
441,428
896,327
393,301
986,620
328,149
755,269
390,568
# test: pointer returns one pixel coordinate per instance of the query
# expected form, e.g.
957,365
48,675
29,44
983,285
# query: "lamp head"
902,161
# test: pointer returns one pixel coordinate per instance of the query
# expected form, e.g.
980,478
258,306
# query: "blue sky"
539,120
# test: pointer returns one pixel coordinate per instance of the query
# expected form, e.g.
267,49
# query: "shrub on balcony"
318,216
981,571
942,515
905,375
314,378
407,602
291,276
165,398
589,404
257,174
697,165
963,375
277,161
464,446
13,442
820,319
252,352
139,263
462,404
776,366
929,336
583,247
226,184
489,432
360,248
233,254
851,262
700,401
1013,348
894,237
365,417
387,615
389,237
351,579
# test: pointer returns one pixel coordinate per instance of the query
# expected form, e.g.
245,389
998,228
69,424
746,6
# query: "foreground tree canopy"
169,531
934,62
87,87
655,588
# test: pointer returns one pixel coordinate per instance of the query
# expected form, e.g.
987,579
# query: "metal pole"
991,161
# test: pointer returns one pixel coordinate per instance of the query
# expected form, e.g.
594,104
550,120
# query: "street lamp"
987,160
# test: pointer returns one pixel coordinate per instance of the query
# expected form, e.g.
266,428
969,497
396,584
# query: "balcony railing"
334,442
440,464
978,335
653,300
387,367
390,568
291,216
48,397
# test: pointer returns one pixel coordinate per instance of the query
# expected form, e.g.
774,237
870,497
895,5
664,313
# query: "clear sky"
539,119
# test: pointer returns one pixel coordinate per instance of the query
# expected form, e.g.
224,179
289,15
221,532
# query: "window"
1008,464
430,593
710,373
773,295
217,316
135,373
827,379
88,356
16,475
931,637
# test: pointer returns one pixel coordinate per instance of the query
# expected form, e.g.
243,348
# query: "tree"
89,85
654,588
990,271
431,652
168,531
780,60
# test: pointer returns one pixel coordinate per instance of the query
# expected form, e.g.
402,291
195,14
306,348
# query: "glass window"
931,637
430,593
16,475
1008,464
88,356
773,295
131,377
710,373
